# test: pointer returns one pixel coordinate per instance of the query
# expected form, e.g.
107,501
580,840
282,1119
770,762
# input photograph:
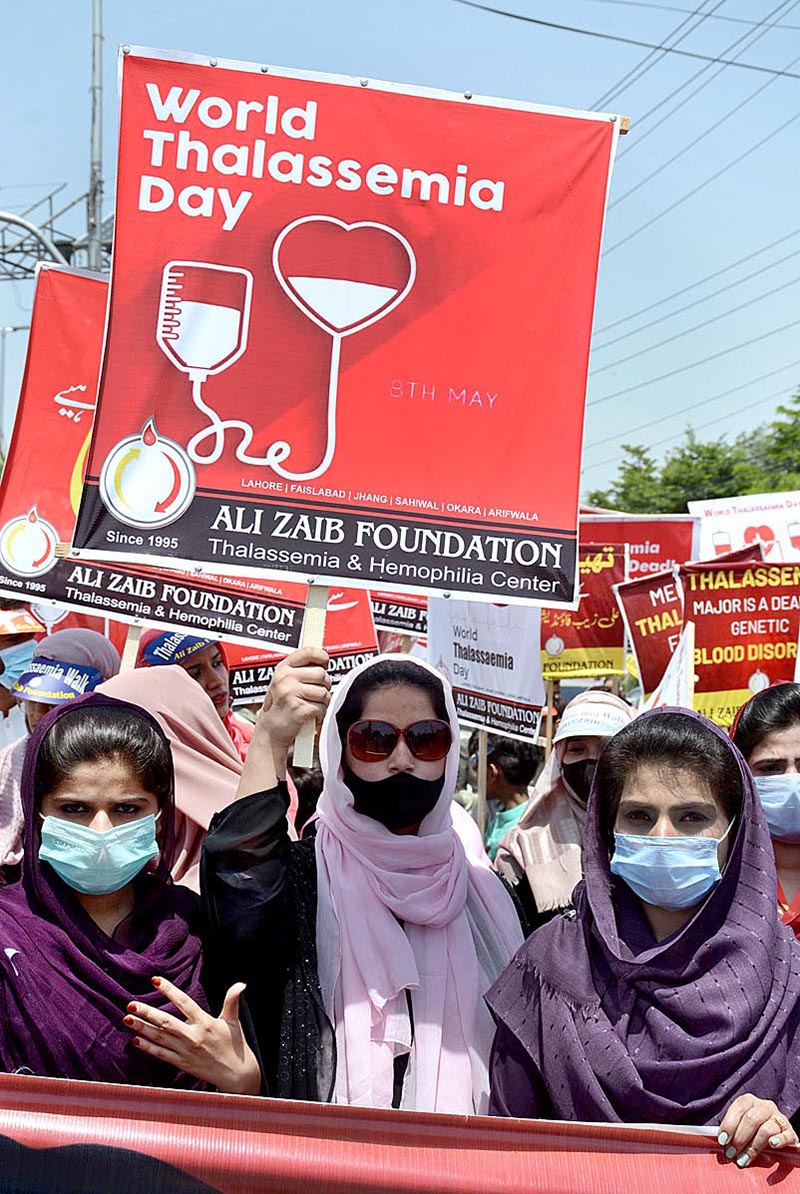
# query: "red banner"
60,1136
589,641
747,618
323,258
657,541
41,488
652,608
350,640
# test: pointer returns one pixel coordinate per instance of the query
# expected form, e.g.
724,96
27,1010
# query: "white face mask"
668,872
780,800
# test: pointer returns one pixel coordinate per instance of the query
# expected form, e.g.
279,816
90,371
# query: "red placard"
747,618
350,640
300,261
589,641
41,488
657,541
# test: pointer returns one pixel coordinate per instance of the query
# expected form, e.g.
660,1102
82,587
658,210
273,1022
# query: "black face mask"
579,776
398,802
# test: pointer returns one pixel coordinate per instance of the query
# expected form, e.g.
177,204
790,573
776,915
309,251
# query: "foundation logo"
147,480
28,544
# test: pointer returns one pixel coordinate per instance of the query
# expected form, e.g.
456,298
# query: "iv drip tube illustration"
204,315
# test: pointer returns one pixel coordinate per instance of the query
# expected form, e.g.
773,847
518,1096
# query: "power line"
692,407
627,41
701,137
650,60
697,302
700,282
674,8
711,422
746,41
701,185
694,364
696,327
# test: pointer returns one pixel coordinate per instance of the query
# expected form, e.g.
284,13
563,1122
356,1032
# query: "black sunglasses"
372,741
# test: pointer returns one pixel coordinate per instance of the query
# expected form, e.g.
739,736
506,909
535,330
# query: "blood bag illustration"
203,316
342,277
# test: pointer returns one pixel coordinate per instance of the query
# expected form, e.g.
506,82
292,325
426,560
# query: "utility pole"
95,197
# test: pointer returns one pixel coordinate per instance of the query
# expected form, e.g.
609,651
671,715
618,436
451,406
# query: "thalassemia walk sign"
302,262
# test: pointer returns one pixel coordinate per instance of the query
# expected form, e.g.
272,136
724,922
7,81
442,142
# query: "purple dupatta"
623,1028
64,984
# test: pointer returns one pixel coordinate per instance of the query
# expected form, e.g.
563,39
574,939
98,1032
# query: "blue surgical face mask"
780,800
98,861
667,872
16,661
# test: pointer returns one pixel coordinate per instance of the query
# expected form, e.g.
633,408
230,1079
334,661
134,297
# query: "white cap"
595,715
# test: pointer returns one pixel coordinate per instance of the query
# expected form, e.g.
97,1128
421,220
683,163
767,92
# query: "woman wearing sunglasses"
367,947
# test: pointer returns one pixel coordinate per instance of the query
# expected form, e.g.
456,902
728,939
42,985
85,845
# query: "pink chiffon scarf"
423,914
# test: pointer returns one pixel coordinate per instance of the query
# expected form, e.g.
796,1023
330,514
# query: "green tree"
637,487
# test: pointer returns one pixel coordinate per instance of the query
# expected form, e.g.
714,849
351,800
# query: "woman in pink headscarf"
207,765
368,947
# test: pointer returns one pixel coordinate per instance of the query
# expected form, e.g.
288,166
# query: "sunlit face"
660,801
207,667
777,753
401,705
100,795
580,748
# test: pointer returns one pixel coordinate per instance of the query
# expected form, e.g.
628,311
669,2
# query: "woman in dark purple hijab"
97,946
672,994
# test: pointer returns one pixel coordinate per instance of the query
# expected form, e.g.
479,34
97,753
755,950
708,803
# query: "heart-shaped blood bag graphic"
343,276
764,533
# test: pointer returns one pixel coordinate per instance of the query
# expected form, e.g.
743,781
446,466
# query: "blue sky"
44,107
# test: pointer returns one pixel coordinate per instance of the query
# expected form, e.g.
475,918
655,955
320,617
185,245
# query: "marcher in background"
17,629
541,856
203,659
207,765
100,947
63,666
511,766
367,946
672,994
767,732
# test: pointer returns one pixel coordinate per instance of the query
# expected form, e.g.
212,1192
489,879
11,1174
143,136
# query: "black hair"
519,761
101,732
309,782
385,674
776,708
673,742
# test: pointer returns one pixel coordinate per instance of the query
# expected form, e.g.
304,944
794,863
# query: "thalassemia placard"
183,151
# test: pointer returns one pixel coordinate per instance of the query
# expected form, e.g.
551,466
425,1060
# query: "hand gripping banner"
302,261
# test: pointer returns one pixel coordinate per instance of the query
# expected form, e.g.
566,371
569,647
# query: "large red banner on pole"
59,1136
301,260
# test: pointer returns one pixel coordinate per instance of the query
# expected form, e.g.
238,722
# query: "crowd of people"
620,947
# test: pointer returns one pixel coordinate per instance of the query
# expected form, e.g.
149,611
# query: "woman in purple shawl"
96,942
671,994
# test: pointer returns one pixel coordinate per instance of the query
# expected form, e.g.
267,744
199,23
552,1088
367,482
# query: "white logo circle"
28,544
147,480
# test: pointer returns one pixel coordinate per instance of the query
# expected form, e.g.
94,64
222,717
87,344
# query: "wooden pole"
312,635
405,644
548,734
483,744
131,648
